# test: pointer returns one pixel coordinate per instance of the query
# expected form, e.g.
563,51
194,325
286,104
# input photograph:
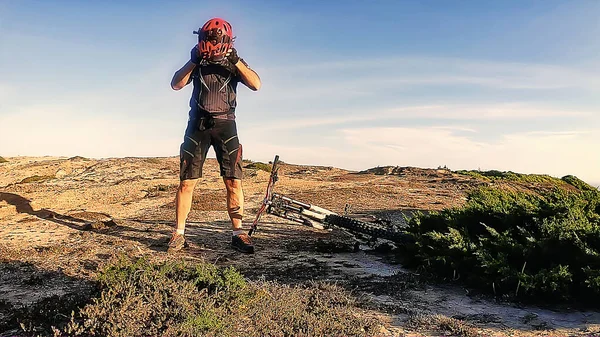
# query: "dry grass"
198,299
443,324
36,178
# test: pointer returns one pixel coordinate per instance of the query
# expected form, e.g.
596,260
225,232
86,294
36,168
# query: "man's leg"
183,202
229,155
192,153
240,240
235,202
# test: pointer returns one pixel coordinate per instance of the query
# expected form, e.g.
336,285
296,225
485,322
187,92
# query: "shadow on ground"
35,299
101,223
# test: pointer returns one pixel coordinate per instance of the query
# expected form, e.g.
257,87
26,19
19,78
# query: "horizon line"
593,184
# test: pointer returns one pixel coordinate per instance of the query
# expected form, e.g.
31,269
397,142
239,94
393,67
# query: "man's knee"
233,185
187,186
235,198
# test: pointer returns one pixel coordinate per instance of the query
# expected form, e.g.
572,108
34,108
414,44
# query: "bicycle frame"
321,218
298,211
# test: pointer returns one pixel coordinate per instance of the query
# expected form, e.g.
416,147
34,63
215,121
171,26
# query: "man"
214,69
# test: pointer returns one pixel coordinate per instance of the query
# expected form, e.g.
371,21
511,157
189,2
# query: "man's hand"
181,78
249,77
232,56
195,56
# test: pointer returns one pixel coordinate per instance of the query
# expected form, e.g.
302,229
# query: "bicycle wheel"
368,228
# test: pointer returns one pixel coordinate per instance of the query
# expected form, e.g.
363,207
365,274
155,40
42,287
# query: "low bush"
514,243
578,183
79,158
2,160
155,191
259,166
495,175
154,160
140,298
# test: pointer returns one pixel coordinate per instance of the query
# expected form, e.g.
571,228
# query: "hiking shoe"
242,243
177,243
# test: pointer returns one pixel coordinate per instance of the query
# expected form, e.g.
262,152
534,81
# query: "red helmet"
214,39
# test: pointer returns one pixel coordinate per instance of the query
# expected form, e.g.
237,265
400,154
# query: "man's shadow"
23,205
108,227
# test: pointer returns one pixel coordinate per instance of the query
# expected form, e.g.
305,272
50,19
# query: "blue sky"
508,85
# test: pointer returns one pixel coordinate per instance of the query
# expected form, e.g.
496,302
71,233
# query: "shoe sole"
243,251
177,249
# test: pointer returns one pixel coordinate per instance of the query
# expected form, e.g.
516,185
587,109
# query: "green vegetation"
79,158
2,160
578,183
156,190
184,299
495,175
450,325
154,160
36,178
543,245
528,179
259,166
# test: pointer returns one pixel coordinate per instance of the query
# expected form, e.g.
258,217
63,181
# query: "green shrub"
156,190
495,175
154,160
2,160
259,166
542,245
141,298
451,325
79,158
578,183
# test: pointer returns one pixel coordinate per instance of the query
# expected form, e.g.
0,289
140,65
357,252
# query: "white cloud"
464,112
411,71
496,111
555,153
60,130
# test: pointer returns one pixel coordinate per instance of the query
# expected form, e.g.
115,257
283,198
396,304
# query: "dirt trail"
62,218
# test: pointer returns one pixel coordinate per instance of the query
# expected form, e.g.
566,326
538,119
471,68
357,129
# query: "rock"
6,209
35,206
99,225
91,216
60,174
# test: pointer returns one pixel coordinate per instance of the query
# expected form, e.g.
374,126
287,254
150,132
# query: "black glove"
195,55
232,56
226,63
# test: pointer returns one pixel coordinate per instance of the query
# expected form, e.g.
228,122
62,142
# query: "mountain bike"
320,218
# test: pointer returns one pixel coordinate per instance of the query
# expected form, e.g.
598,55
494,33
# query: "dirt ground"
62,218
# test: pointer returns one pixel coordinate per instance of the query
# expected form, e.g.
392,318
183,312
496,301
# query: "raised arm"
181,78
249,77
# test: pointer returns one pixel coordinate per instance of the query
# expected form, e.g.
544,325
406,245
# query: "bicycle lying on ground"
321,218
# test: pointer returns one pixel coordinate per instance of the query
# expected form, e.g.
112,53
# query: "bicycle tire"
273,177
368,228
